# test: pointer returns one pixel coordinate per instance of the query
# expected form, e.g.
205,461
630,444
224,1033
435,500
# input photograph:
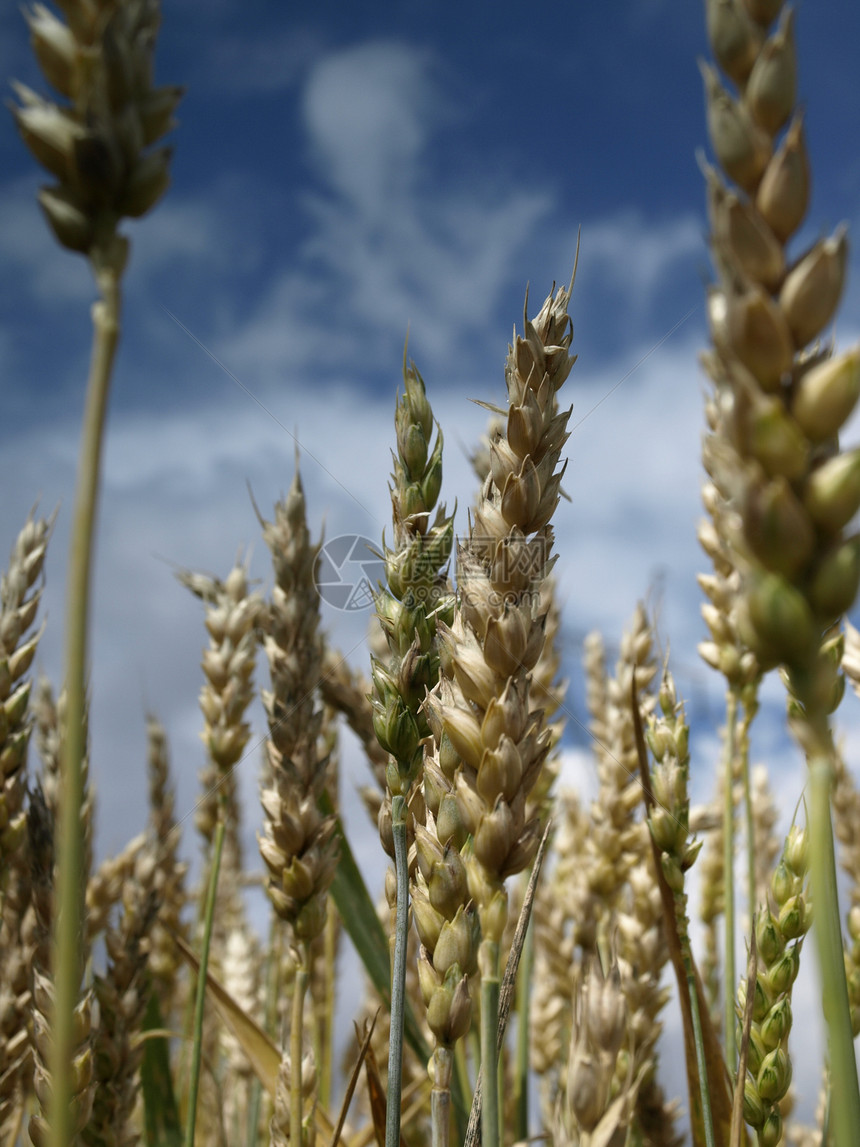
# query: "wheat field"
610,964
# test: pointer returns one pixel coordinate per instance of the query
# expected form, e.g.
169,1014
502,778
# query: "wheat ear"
80,1068
780,928
170,871
297,844
417,596
669,825
481,707
594,1107
122,993
20,593
233,612
773,453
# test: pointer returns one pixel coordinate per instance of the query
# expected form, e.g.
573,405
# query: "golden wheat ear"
20,596
171,872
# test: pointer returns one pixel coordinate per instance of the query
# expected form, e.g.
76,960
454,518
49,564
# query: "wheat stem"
521,1075
200,999
845,1102
398,979
489,964
729,879
326,1008
106,313
440,1096
296,1032
701,1064
461,1064
743,753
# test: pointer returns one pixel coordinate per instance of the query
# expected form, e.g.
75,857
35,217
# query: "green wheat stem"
489,1043
682,922
440,1096
398,976
521,1078
500,1088
729,879
300,988
845,1096
701,1064
474,1038
70,845
200,998
461,1065
327,1008
743,748
187,1041
750,836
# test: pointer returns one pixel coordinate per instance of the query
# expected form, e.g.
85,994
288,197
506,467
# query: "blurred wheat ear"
784,493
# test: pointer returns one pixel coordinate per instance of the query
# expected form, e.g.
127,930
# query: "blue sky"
343,173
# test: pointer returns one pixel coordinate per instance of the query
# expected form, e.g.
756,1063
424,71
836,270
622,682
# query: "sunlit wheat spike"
780,928
42,861
233,614
781,497
170,871
20,594
122,993
297,844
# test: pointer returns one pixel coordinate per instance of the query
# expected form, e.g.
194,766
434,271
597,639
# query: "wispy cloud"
388,246
634,253
368,111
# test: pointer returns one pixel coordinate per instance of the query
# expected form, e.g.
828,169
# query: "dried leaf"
263,1055
353,1079
376,1095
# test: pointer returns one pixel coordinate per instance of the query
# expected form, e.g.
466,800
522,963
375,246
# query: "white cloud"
385,249
634,254
368,111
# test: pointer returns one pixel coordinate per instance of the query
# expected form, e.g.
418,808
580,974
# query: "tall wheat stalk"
773,452
100,63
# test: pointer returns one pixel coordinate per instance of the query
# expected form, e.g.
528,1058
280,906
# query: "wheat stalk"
94,144
298,845
481,708
773,450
